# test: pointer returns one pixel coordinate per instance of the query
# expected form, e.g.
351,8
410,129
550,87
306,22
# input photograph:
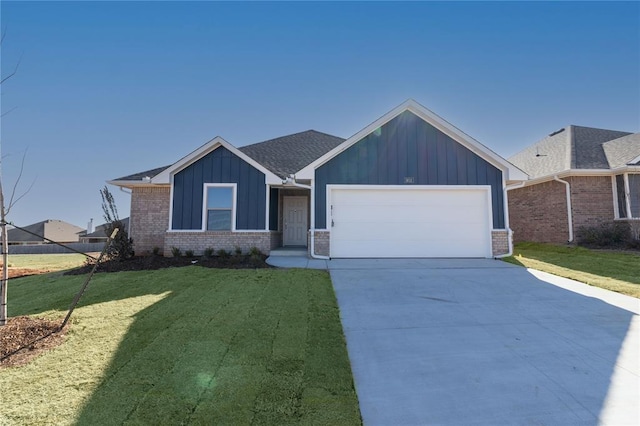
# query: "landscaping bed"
153,262
30,336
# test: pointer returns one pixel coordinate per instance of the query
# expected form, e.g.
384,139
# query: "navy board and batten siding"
219,166
408,151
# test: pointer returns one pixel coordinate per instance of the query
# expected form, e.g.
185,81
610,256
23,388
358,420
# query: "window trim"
234,192
627,196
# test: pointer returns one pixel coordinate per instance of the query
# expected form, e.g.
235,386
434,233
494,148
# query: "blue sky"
105,89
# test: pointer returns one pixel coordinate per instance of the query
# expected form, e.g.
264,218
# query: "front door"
294,214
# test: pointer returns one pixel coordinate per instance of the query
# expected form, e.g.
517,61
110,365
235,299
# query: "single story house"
579,177
99,235
410,184
50,229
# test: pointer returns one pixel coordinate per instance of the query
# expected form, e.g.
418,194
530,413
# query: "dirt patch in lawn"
147,263
23,338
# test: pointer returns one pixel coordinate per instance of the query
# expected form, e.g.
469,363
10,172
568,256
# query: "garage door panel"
410,223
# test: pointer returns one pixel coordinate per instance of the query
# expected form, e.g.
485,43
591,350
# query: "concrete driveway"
483,342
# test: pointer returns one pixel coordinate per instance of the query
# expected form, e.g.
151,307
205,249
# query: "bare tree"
5,209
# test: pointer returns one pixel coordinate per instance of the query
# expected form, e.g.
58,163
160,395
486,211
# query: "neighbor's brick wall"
321,243
539,213
592,201
198,241
500,242
149,218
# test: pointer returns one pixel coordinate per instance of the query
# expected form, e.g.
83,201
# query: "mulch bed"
147,263
31,335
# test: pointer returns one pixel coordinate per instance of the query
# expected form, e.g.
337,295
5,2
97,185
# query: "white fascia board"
133,183
579,172
164,176
634,161
513,173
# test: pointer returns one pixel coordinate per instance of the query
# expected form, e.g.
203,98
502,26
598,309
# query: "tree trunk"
5,261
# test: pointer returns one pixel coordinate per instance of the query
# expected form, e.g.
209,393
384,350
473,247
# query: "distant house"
56,230
410,184
579,176
99,235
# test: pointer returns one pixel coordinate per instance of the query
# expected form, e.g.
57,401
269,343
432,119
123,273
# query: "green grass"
610,270
185,346
49,262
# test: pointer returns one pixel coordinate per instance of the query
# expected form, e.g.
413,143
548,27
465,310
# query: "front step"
289,251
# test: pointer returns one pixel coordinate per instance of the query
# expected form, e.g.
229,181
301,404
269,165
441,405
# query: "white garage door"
410,222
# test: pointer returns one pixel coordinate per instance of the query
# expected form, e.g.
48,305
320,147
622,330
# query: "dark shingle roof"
100,230
573,147
283,156
142,175
288,154
56,230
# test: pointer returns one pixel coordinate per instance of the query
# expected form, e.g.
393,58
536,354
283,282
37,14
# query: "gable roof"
286,155
164,177
512,173
570,148
56,230
279,157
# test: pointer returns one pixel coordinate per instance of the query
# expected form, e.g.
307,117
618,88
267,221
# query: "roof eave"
513,172
164,177
582,172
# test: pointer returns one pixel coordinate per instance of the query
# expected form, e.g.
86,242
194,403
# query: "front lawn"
185,346
616,271
46,262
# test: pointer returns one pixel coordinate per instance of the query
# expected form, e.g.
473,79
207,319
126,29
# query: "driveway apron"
483,342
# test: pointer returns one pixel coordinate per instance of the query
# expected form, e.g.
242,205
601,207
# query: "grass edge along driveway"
186,346
610,270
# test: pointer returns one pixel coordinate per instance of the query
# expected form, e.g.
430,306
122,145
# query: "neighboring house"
100,235
408,185
579,176
56,230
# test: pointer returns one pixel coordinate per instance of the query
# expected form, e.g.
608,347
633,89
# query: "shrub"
176,252
255,252
604,235
223,254
188,253
238,251
121,248
156,251
208,252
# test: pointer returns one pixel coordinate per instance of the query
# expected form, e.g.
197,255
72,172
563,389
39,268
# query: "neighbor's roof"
570,148
288,154
282,156
56,230
100,230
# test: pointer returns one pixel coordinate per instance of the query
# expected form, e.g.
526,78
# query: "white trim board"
164,176
513,173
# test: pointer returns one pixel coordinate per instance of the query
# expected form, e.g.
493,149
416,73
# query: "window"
219,208
628,194
622,198
634,194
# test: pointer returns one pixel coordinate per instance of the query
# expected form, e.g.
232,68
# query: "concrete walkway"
483,342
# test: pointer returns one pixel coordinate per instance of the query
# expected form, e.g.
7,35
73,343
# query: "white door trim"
289,238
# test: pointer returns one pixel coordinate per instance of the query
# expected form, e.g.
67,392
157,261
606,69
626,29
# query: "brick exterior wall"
539,212
499,242
198,241
149,218
321,243
592,201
